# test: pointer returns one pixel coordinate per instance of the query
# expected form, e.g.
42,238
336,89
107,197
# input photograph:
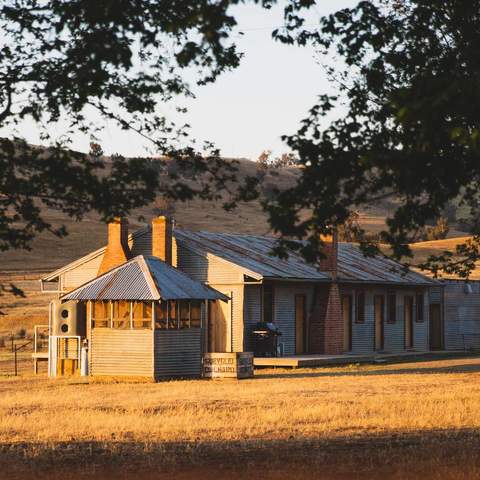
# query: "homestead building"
156,299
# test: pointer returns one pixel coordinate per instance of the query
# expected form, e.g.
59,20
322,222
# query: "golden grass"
412,420
276,405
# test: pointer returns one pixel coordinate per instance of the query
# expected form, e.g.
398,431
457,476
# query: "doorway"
300,327
435,327
347,303
379,302
408,320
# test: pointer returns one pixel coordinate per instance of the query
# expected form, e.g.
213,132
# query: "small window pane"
161,315
392,308
184,314
121,314
268,303
360,308
195,313
173,314
420,307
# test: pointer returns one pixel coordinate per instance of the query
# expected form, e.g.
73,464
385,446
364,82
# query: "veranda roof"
144,278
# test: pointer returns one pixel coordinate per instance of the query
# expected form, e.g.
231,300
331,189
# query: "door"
300,327
379,302
435,327
408,320
347,322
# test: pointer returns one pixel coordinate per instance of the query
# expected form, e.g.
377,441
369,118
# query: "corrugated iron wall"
177,353
121,352
462,315
284,311
252,312
394,333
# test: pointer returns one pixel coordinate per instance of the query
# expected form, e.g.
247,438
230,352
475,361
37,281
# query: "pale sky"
248,109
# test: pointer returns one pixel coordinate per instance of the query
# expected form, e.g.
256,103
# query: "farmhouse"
152,302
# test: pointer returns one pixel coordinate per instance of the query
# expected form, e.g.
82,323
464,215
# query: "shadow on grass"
430,455
462,368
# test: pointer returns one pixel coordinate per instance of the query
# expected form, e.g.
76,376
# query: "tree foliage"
408,126
81,61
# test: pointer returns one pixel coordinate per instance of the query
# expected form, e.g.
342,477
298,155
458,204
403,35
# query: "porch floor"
296,361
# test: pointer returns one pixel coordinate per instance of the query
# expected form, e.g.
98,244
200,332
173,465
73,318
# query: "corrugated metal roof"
144,278
254,254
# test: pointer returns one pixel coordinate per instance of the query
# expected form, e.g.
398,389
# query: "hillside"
422,250
49,252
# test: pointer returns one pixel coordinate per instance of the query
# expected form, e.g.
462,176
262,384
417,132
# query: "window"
268,303
419,307
172,314
184,314
391,308
360,307
175,314
160,315
142,315
121,314
195,314
100,314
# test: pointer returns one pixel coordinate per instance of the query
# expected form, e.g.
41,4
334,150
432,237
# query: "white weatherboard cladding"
82,274
252,312
284,311
205,267
121,352
462,315
177,353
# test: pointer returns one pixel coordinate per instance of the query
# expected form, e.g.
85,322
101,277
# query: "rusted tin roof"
144,278
253,253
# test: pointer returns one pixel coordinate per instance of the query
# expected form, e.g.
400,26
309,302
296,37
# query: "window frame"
360,312
419,308
391,320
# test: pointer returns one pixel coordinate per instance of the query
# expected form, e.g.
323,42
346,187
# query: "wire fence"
16,357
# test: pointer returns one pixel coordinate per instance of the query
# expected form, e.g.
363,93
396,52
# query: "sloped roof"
254,253
144,278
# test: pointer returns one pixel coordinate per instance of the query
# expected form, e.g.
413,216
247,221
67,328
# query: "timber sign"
228,365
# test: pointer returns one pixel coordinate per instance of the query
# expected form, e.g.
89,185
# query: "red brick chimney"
162,239
117,251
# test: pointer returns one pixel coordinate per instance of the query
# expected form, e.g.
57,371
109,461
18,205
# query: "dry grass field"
375,418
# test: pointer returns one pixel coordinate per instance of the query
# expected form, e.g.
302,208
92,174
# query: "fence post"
15,356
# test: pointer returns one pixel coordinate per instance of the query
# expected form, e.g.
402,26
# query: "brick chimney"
162,239
117,251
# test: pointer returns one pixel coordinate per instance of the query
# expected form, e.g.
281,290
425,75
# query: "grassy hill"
49,252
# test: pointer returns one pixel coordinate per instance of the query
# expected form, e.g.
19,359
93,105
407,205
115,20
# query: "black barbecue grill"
265,339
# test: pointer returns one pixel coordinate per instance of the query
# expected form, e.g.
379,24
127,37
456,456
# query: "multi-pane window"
360,307
171,314
420,307
391,308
